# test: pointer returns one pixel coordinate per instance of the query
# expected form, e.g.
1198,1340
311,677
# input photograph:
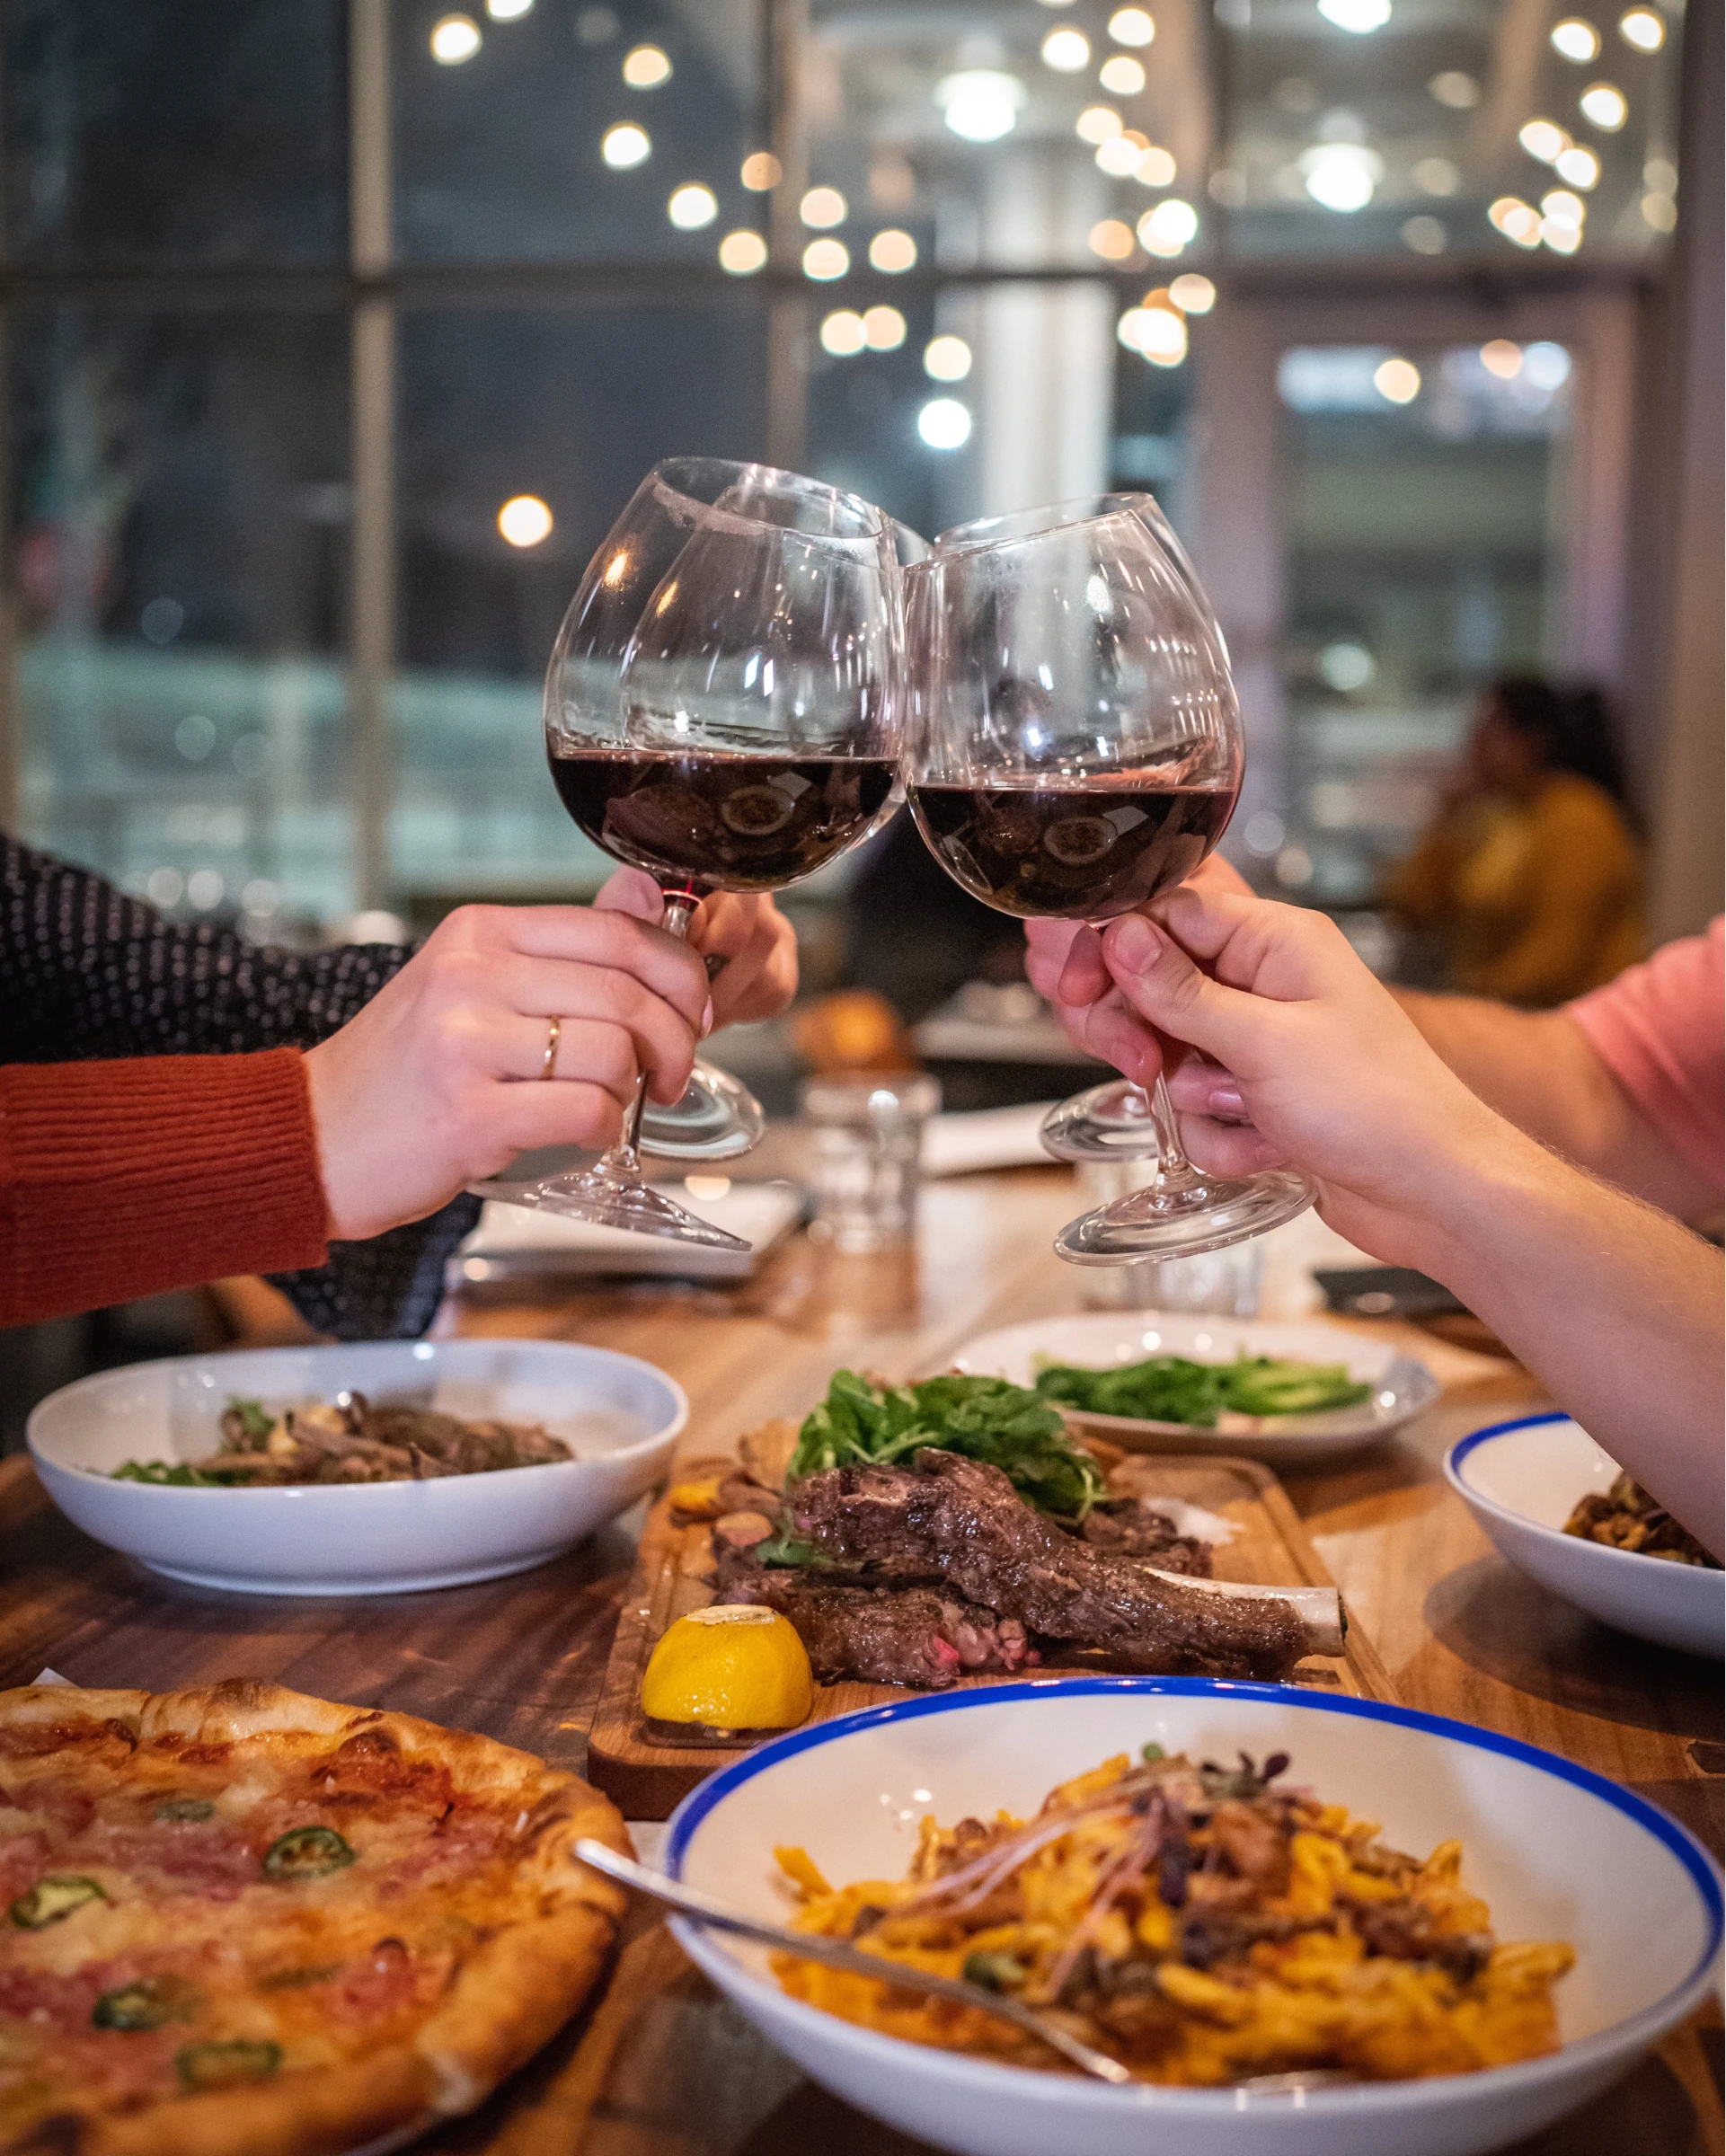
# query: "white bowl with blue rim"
1558,1854
1522,1479
619,1416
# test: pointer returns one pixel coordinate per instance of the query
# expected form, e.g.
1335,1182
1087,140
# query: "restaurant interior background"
334,338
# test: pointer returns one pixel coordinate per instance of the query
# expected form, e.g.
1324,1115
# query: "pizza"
238,1922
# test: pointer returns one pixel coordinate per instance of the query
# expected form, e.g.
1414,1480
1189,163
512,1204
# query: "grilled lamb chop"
1134,1527
909,1636
966,1521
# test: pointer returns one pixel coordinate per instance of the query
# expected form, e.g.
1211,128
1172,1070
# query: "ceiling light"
742,253
1574,39
1502,359
454,38
646,67
1171,226
1155,168
1579,166
1066,51
1119,157
1356,16
1193,293
1517,220
947,359
1546,367
1660,211
1340,175
1097,124
824,260
944,423
823,208
1121,76
1458,91
1543,139
692,206
624,145
761,172
1425,235
883,329
842,334
1641,28
1133,26
1113,240
980,104
1605,106
1436,176
892,252
508,11
525,520
1397,381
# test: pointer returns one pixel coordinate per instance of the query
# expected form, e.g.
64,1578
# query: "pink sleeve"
1660,1029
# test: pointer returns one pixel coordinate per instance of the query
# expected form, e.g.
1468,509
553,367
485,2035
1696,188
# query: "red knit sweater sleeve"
129,1177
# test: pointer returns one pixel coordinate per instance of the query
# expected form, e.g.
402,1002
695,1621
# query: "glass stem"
1172,1166
623,1160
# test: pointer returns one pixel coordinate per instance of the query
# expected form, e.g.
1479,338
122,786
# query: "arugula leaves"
861,1424
1168,1388
180,1475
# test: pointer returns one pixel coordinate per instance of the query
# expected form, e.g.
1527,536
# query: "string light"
1066,51
1097,124
883,329
625,146
1121,76
761,172
947,359
646,67
1575,40
525,520
892,252
823,208
1605,106
1397,381
1193,293
693,206
824,260
1132,26
454,38
742,253
1641,28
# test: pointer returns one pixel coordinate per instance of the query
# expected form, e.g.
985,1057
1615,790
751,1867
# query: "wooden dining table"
657,2064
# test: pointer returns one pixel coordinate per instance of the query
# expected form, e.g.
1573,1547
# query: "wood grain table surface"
660,2067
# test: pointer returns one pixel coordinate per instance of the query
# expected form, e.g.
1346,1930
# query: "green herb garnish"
256,1421
994,1972
307,1853
175,1475
1169,1388
185,1808
52,1898
860,1424
225,2066
152,2002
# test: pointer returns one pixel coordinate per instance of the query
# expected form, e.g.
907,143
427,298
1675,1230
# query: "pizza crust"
508,1996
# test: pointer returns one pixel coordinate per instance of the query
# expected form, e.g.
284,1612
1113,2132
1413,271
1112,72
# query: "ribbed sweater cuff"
129,1177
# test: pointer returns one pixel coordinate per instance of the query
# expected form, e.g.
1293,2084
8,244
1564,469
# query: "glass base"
1111,1122
1184,1215
718,1118
611,1195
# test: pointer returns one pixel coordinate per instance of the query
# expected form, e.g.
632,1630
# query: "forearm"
1538,1070
1614,1306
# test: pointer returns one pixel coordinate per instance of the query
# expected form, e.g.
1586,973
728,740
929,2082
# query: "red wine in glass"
716,822
1083,849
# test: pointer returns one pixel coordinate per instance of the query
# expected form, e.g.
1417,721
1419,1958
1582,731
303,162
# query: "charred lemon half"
732,1666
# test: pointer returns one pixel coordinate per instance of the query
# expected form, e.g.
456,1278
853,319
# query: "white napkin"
989,1137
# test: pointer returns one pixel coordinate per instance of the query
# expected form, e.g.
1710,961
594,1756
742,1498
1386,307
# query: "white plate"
1401,1387
1521,1480
619,1417
511,1240
1558,1854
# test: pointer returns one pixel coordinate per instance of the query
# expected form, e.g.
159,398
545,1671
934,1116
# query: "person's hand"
1064,964
756,943
436,1083
1315,1055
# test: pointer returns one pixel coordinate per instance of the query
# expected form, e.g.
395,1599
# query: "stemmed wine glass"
1074,746
723,709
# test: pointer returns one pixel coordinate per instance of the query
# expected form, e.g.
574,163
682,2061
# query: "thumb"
630,891
1162,985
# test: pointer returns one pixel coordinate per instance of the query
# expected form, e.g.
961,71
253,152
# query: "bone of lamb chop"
966,1521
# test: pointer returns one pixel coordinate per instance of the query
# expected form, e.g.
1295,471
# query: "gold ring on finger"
549,1065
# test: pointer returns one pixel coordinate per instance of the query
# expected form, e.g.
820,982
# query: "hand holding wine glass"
1075,749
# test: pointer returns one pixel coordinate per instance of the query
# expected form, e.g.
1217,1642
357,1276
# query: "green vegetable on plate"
1171,1388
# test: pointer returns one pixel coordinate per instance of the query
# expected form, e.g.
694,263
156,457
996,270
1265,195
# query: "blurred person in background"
1531,876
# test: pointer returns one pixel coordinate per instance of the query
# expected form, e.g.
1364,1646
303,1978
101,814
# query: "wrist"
1471,1189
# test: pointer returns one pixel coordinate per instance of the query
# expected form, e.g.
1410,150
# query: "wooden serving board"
648,1781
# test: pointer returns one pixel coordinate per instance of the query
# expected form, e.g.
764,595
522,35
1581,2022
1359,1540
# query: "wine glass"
723,709
1074,746
1110,1122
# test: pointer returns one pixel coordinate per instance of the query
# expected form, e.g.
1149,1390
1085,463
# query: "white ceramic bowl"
1401,1387
1521,1480
620,1418
1557,1851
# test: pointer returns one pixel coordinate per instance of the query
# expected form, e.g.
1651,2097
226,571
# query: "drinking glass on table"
1074,747
723,709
